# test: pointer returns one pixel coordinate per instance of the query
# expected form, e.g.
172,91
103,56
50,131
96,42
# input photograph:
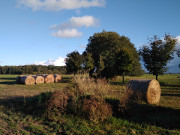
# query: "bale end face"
147,90
58,78
28,80
154,92
49,78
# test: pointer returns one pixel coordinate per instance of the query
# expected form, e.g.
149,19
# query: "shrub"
96,109
57,104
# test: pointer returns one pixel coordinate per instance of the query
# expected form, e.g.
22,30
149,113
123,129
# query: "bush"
57,104
96,109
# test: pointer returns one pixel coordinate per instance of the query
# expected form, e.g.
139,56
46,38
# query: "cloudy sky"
45,31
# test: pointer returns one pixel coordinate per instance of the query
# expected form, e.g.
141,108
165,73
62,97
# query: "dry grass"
90,86
96,109
57,104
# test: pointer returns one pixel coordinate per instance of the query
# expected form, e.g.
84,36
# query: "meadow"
20,112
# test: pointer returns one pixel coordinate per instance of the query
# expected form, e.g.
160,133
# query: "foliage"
104,47
157,53
74,62
88,62
32,69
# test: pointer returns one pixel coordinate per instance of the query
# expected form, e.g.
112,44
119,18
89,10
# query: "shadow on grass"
7,78
174,95
164,117
8,82
35,106
118,83
11,81
148,114
169,85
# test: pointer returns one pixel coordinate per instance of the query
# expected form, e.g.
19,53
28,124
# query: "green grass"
20,112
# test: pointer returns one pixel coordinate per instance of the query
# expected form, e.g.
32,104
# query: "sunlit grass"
142,119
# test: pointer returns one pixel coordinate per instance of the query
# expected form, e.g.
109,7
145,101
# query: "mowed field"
16,117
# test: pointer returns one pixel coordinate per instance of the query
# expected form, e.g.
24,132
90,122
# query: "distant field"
142,118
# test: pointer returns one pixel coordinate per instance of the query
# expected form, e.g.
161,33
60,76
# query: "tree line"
32,69
108,54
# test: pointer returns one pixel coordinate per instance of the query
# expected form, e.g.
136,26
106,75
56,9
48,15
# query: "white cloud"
67,33
174,64
77,22
178,42
57,5
87,21
70,28
57,62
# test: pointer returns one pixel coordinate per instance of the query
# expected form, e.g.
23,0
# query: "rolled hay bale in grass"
18,78
43,75
57,78
48,78
38,79
28,80
146,90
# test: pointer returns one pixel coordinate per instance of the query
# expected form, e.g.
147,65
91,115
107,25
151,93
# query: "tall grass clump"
91,86
85,97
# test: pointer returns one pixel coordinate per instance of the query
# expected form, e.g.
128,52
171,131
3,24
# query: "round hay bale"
18,78
147,90
27,80
39,79
57,78
48,78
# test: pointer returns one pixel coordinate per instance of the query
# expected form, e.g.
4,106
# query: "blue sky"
45,31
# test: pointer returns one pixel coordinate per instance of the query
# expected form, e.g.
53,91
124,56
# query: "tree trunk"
157,77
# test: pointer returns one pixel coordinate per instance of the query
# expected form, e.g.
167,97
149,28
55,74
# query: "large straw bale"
39,79
18,78
57,78
27,80
48,78
147,90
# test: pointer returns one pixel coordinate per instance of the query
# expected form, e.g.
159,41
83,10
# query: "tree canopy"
157,53
105,47
73,62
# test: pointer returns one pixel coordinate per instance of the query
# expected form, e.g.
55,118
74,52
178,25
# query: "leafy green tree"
104,47
123,62
73,62
157,53
100,66
88,62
